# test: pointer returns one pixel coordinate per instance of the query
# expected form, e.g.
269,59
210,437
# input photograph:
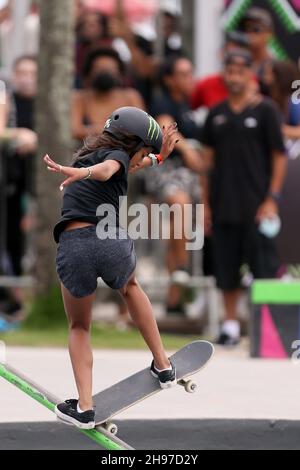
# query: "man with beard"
246,165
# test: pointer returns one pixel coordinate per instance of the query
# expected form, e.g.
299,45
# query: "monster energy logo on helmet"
107,124
153,127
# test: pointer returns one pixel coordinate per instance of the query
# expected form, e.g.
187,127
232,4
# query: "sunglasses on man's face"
254,29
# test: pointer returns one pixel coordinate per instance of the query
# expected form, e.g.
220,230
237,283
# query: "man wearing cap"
258,25
246,164
210,91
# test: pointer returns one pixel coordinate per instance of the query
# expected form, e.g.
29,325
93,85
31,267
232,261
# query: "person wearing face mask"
18,144
102,93
91,32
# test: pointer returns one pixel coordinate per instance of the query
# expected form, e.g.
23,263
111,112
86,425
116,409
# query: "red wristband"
159,159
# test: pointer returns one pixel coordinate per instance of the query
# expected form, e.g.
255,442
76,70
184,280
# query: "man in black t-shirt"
244,152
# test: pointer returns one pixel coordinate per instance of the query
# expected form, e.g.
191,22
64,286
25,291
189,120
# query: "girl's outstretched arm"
101,172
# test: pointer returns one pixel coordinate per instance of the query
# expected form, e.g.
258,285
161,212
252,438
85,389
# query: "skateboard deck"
130,391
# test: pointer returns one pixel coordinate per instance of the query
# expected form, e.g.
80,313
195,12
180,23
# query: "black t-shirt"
243,144
24,111
82,198
20,170
181,112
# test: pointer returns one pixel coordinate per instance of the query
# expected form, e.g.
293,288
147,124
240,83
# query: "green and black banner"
286,16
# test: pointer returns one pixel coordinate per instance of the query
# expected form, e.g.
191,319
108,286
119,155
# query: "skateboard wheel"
190,386
112,428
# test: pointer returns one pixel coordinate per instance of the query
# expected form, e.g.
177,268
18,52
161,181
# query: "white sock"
79,410
231,328
161,370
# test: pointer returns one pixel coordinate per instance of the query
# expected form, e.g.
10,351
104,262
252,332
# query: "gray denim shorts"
82,257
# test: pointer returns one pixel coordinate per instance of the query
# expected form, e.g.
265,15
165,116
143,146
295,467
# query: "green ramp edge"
276,292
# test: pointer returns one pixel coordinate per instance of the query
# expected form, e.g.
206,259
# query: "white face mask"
270,227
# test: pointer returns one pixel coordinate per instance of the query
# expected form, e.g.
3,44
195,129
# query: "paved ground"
164,434
232,387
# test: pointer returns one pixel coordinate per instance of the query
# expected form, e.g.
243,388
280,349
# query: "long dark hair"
285,73
128,143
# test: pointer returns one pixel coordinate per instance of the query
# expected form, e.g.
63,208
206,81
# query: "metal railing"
161,283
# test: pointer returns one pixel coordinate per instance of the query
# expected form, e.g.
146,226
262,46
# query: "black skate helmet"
133,121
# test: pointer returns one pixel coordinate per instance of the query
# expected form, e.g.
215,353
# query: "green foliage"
46,310
103,337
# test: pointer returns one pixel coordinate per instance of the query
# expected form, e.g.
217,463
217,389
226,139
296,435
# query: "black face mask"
104,81
84,41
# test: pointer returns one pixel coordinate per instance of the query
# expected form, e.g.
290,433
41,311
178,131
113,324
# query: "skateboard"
123,395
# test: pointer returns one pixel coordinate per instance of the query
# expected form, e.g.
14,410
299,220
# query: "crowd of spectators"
116,65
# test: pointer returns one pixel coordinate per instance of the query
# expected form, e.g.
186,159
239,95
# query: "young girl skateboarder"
98,176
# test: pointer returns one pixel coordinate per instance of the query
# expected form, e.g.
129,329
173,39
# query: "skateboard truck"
189,385
110,427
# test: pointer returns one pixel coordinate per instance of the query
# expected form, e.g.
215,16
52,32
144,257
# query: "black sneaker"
226,340
166,377
67,412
